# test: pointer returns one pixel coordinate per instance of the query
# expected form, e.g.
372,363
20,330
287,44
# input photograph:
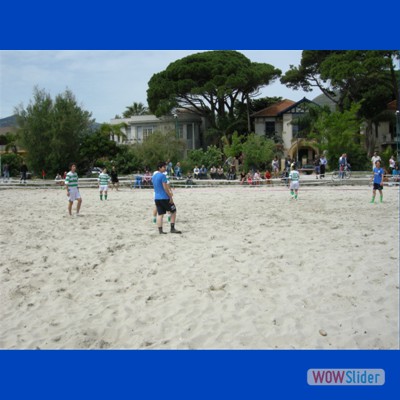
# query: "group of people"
320,164
163,196
23,173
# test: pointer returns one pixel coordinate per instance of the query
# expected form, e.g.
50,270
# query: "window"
270,129
147,131
143,132
295,130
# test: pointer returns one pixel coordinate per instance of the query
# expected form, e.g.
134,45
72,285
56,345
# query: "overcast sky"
105,82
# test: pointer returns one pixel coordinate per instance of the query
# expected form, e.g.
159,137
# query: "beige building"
186,125
279,123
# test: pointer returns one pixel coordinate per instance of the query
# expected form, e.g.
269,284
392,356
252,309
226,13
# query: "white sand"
252,270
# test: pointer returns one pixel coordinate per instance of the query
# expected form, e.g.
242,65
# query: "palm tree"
135,109
114,130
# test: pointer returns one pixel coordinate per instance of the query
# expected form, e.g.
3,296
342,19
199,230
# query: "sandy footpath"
252,270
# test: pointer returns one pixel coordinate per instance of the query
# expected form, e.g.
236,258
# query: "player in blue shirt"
378,181
163,198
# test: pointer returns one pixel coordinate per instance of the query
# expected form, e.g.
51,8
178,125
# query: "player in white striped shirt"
103,179
71,183
294,178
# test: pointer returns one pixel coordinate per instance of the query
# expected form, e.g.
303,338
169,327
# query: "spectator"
6,172
213,172
242,177
395,173
392,164
342,164
196,172
317,166
203,172
268,177
275,167
257,177
169,167
249,178
147,178
23,170
322,166
374,159
177,171
232,173
59,180
220,173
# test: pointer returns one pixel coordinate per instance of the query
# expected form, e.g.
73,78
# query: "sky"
105,82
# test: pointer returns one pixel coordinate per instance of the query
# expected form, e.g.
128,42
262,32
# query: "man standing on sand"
103,179
378,181
71,183
294,178
163,198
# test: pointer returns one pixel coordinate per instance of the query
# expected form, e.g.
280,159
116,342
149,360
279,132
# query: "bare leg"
78,206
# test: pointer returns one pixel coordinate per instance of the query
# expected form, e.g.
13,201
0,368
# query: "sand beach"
252,270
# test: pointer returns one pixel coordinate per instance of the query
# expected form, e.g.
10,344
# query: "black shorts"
378,186
163,206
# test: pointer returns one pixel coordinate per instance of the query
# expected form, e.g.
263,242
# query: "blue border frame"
181,374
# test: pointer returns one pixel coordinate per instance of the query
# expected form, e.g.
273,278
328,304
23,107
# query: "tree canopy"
51,130
209,83
366,77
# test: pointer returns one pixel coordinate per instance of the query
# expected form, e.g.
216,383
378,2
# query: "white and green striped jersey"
294,176
71,180
104,179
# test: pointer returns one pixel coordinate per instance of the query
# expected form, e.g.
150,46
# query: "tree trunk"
370,138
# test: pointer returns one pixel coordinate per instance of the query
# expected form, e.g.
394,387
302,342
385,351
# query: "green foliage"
337,133
10,141
366,77
257,151
234,149
213,156
127,160
160,147
385,156
209,83
14,161
135,109
95,147
51,131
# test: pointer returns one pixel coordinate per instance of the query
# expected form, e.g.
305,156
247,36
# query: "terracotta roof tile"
275,109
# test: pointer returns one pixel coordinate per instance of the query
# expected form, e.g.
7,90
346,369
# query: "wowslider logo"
358,377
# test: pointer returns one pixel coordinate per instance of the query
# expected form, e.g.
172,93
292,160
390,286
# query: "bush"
14,161
212,156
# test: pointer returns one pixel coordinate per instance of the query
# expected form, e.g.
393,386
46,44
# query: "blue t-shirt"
378,175
159,192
